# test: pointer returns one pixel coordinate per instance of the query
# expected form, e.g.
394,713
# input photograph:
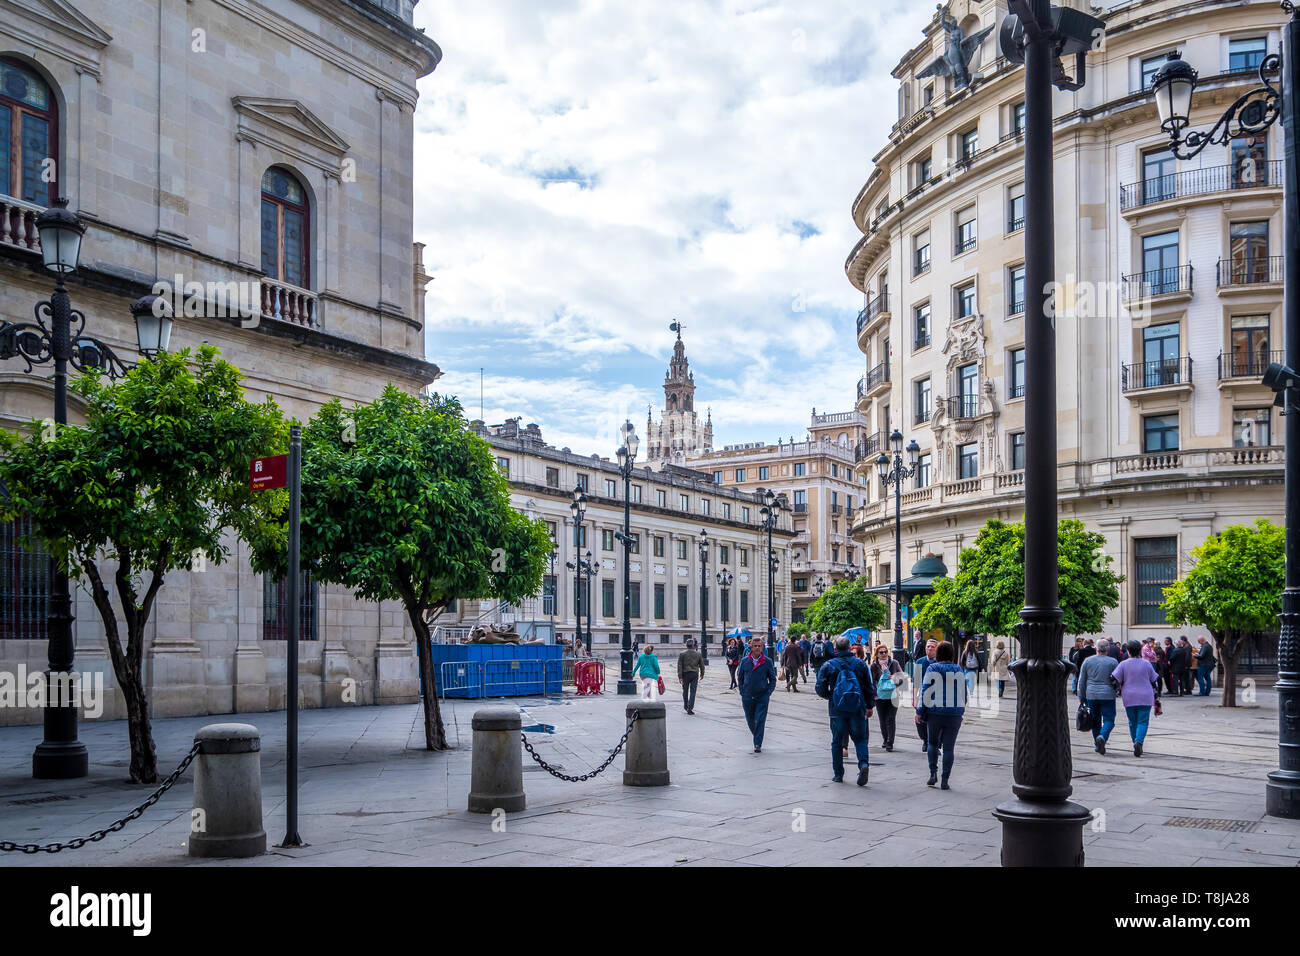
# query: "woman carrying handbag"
647,670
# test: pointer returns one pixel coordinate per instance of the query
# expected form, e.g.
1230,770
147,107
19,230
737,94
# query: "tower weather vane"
676,326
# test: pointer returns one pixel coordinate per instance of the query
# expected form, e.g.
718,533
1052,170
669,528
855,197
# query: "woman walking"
1096,691
970,664
1139,687
734,653
647,669
885,674
943,701
998,666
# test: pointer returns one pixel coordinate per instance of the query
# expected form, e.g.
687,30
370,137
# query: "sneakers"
1137,750
1100,746
862,776
934,778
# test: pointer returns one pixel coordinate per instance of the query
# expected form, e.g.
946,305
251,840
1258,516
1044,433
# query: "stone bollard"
228,792
496,779
646,756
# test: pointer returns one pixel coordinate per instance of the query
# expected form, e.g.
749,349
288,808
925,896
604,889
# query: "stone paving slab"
370,795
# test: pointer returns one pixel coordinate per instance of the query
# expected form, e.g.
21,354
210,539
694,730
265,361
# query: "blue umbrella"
740,632
859,635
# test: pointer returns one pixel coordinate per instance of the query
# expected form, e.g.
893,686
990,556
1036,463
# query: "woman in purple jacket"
1138,685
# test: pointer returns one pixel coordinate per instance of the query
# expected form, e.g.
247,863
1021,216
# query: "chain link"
9,847
586,776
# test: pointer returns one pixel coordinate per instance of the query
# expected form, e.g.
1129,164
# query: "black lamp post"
588,571
704,591
852,572
58,338
626,459
1252,113
724,591
771,510
894,472
1041,827
821,585
578,508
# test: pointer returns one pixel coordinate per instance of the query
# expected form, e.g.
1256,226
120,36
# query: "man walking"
1073,658
757,681
1189,665
1094,687
1204,667
1178,664
690,668
792,661
845,682
919,667
805,647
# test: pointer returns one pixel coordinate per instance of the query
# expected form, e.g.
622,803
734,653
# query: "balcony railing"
1201,182
922,415
1158,282
964,245
800,507
1252,270
1016,390
869,447
1171,371
877,306
1015,224
874,379
1016,306
18,223
962,406
921,263
288,303
920,342
1246,364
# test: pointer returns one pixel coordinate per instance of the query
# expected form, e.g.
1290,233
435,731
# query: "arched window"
286,251
28,135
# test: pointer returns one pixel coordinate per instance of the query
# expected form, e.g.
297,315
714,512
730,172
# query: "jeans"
888,714
732,667
1074,682
942,733
1002,687
755,716
1187,676
690,680
850,725
1103,715
1203,681
1138,718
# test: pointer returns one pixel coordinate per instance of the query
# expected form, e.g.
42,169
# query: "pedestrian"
1115,650
780,645
1189,668
757,676
1095,689
733,653
918,649
845,682
970,665
919,667
998,666
1204,666
943,699
1138,686
791,663
818,655
805,648
1167,671
1073,658
690,669
647,668
885,675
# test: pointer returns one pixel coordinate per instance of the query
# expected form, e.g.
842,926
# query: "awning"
921,580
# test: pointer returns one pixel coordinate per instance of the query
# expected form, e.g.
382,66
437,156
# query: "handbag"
1159,710
1083,718
661,685
781,674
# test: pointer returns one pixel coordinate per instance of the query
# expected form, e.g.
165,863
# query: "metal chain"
586,776
8,847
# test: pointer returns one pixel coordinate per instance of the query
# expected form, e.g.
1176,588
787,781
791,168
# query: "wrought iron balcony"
1015,224
873,380
1246,364
964,245
1201,182
1167,281
869,447
962,406
1157,374
1250,270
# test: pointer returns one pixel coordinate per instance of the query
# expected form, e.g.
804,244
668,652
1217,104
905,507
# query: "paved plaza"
371,795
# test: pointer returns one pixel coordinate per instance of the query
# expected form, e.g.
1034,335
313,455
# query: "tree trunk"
139,729
435,737
1229,648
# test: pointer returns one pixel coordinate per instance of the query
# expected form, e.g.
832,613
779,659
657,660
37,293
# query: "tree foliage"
987,592
797,630
843,605
1234,591
151,483
401,501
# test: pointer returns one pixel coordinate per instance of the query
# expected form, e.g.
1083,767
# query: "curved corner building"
1168,308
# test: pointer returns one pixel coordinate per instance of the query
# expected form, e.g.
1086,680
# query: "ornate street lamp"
578,508
724,590
852,572
771,510
626,460
704,594
894,472
1251,114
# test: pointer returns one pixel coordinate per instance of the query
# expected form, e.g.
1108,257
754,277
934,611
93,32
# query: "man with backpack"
805,645
845,683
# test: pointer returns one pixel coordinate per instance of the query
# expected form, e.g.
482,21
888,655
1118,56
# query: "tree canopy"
843,605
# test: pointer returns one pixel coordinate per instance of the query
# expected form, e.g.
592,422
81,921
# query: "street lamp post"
58,338
626,458
704,592
1251,114
770,511
578,507
588,571
1041,827
894,472
724,596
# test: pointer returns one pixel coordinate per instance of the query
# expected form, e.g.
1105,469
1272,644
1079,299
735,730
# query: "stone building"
817,476
254,150
679,433
1169,304
669,509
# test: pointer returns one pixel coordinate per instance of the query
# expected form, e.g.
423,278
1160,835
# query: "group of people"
1175,663
1102,679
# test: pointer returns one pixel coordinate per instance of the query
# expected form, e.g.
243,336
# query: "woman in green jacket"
647,669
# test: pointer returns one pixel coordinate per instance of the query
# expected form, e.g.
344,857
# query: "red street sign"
270,472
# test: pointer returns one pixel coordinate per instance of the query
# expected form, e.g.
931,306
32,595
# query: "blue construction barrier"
498,670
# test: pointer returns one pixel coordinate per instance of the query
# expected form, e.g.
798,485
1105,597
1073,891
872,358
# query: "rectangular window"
681,602
705,506
968,460
503,466
744,557
921,399
800,501
582,536
611,488
740,474
684,502
923,471
799,585
548,594
552,477
275,608
922,168
581,482
965,300
606,598
968,390
1148,69
726,510
763,473
835,471
1017,451
635,540
799,469
724,604
1155,567
1158,179
1250,161
681,549
921,252
1016,208
1018,118
717,477
744,607
1160,262
661,498
969,144
636,494
659,546
921,326
1016,373
1160,363
1160,433
1248,251
659,602
966,237
606,539
1016,290
1246,53
1250,355
634,598
1252,426
24,584
550,529
724,554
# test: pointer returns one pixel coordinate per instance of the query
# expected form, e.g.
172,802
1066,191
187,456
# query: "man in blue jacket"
853,722
757,677
805,645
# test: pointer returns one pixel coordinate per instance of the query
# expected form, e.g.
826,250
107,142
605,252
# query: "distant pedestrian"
1189,667
690,668
1114,651
885,676
1073,658
647,669
845,682
998,667
818,655
757,681
970,665
1096,690
805,648
1139,688
1167,672
1204,667
923,663
735,651
791,665
943,701
1086,650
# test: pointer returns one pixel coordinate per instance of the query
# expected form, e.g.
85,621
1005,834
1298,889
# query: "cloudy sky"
587,171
